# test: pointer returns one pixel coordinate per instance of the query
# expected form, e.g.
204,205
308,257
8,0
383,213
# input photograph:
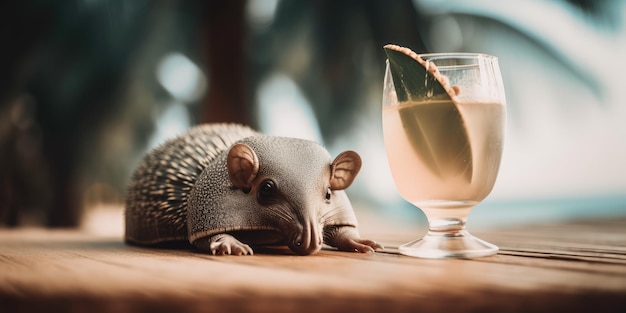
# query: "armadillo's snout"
308,240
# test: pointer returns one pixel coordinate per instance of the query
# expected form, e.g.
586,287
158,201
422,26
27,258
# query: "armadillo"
225,188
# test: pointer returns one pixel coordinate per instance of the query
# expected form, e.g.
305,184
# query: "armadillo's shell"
156,204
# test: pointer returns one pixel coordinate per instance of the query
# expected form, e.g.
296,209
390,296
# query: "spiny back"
156,204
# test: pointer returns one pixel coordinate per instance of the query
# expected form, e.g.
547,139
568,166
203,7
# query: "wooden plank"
541,268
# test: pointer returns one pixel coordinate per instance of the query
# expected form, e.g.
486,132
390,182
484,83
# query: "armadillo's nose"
308,240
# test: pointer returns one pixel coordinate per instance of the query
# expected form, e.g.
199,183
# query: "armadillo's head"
297,186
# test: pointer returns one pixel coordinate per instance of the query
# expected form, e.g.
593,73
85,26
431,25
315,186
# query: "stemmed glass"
444,141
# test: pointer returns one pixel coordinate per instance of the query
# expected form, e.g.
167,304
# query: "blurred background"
87,87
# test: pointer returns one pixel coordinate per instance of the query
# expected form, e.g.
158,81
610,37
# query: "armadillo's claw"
223,244
366,245
346,238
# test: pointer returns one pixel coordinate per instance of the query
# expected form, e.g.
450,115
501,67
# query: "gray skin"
225,188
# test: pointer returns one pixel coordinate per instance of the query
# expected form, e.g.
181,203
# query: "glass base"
438,245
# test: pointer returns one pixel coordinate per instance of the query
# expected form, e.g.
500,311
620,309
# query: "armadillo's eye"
328,194
267,190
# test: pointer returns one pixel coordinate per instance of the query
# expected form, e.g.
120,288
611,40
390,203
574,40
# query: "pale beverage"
444,155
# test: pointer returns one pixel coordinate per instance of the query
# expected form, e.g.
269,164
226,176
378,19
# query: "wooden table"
576,266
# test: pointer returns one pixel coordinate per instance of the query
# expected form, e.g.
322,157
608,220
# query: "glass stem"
449,226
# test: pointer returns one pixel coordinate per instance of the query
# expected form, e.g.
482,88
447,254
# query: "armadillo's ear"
243,166
344,169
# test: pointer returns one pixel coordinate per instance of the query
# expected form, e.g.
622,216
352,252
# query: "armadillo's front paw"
223,244
360,245
347,239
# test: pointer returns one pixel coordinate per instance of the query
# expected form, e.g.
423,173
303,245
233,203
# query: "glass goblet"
444,152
